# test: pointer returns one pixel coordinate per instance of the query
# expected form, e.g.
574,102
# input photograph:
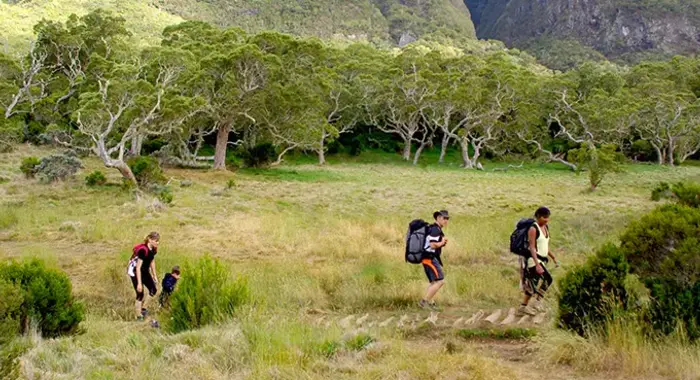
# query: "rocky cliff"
617,28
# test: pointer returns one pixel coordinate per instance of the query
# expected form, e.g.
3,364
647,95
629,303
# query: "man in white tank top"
536,277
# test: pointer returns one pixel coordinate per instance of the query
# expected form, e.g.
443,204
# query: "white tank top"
542,246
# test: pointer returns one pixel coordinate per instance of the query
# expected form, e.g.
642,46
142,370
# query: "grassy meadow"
327,241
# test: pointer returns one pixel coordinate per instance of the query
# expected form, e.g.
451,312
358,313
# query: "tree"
22,82
401,100
598,161
125,101
667,117
233,69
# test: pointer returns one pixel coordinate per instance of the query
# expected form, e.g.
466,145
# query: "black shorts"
147,282
433,270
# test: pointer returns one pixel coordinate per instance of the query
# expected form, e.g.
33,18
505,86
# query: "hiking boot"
525,310
155,324
144,312
423,304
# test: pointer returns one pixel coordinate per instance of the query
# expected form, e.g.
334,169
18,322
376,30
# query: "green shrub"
687,194
10,305
10,353
259,156
32,132
661,191
165,194
684,193
96,178
29,166
146,170
359,342
674,306
205,295
642,150
591,292
47,298
662,249
10,133
58,167
663,244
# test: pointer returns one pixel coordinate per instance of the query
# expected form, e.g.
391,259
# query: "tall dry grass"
316,238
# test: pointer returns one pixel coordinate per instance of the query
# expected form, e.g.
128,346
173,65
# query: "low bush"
96,178
164,194
58,167
11,300
675,306
642,150
29,166
32,132
11,131
46,299
258,156
663,244
205,295
687,194
146,170
592,292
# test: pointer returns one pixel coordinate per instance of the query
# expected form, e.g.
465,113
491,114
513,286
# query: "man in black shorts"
432,261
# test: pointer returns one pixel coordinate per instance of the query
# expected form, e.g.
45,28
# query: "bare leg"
433,289
138,308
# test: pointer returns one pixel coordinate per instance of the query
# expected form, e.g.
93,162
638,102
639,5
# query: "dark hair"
542,212
176,269
442,213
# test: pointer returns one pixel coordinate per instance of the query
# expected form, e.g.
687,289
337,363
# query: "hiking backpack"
415,240
131,267
519,243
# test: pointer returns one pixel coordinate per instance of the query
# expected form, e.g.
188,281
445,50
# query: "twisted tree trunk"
221,145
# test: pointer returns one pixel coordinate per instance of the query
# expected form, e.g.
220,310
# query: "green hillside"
379,21
17,20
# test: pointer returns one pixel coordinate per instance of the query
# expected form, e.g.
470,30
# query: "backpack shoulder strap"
138,248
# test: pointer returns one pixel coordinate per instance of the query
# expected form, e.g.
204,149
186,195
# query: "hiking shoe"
423,304
525,310
155,324
144,312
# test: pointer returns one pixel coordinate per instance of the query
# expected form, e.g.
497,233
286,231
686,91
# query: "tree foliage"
82,85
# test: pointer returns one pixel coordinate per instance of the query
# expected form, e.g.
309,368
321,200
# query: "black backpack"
415,240
519,243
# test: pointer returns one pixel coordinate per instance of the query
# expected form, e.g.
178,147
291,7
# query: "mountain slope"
616,28
355,19
381,21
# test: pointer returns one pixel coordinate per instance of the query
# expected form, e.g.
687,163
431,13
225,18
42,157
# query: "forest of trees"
82,86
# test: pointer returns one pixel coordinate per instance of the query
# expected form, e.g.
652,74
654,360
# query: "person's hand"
539,269
444,243
139,288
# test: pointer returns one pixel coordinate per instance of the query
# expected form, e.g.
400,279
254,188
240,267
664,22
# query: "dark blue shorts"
433,269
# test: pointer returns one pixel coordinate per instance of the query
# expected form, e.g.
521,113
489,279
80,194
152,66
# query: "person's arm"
532,240
439,244
139,285
550,253
153,272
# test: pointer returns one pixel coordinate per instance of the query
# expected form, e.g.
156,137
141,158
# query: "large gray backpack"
415,240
